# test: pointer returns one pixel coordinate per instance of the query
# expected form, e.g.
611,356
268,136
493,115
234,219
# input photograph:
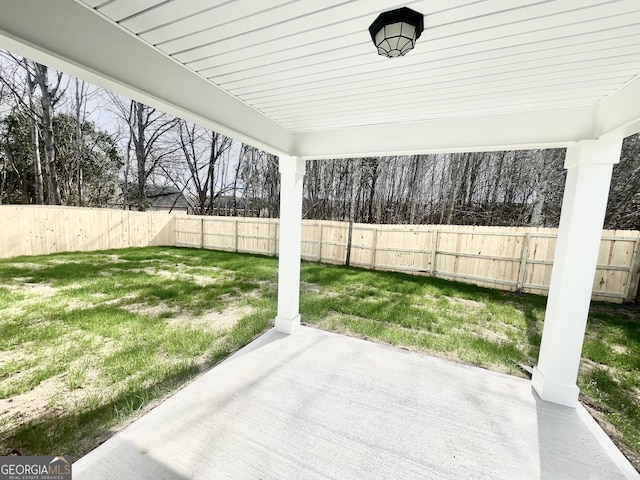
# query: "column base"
554,392
287,325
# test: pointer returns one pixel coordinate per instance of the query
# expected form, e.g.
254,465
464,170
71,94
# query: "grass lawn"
89,341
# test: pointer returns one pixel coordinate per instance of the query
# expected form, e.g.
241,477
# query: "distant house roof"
166,197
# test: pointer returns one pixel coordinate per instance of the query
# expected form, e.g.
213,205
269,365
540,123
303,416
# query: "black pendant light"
395,32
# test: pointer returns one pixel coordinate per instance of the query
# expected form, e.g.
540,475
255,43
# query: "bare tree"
204,154
149,138
50,95
80,109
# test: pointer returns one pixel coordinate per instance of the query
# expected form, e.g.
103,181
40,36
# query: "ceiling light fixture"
395,32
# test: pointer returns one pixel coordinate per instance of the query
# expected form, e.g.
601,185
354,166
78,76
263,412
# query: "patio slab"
318,405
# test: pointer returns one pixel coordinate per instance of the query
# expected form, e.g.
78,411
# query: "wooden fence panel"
189,232
361,242
254,236
41,230
402,249
312,236
334,243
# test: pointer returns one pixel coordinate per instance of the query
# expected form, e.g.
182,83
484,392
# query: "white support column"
291,180
589,164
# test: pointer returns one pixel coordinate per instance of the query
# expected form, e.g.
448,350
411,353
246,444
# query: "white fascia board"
619,113
536,129
72,38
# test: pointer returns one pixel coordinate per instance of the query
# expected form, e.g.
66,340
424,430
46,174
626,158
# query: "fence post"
275,238
374,247
201,233
320,243
434,251
347,260
523,262
128,229
633,290
235,234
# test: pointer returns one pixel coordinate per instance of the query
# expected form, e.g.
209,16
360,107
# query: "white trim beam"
535,129
72,38
619,114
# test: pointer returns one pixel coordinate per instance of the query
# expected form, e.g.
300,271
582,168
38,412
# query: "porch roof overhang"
301,77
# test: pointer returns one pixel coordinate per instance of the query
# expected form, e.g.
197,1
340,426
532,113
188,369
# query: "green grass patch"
477,326
90,340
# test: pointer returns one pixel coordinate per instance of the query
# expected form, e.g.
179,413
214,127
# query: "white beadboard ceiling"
310,64
302,77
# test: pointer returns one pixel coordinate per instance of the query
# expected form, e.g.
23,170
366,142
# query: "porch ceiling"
302,77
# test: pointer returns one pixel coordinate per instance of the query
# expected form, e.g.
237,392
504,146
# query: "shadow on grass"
79,432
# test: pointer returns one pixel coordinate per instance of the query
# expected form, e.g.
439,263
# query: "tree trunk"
536,214
454,187
78,126
37,164
140,156
35,139
3,177
127,168
413,187
46,100
355,185
496,186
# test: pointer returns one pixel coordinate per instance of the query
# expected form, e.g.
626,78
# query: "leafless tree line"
51,152
496,188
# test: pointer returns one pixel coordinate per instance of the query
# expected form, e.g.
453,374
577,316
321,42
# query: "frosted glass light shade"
394,33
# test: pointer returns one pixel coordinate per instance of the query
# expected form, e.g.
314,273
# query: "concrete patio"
320,405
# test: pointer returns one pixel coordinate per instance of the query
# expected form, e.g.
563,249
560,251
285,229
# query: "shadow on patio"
320,405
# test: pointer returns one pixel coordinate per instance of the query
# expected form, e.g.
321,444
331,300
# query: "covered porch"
302,80
318,405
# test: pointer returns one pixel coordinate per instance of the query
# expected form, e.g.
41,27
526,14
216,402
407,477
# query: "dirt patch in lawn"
155,311
27,265
215,320
116,259
228,318
587,365
488,334
225,319
38,289
465,302
19,409
200,280
310,287
51,397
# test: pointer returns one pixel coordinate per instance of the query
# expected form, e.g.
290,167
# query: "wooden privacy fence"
500,257
40,230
